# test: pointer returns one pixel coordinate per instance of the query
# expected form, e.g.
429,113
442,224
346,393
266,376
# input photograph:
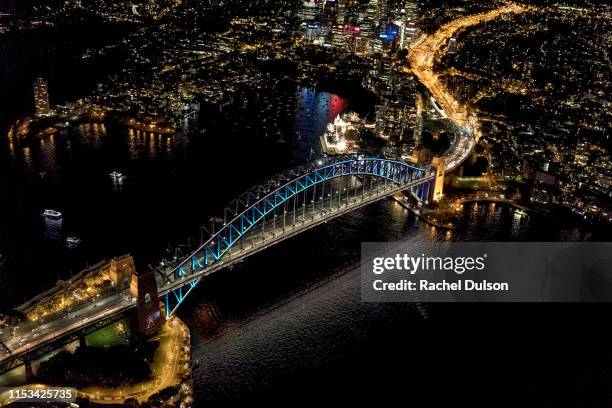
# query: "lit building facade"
41,97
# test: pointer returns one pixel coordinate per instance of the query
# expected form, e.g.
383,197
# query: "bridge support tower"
437,192
29,372
143,288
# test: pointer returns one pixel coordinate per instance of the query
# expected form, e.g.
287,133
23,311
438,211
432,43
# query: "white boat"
115,175
72,241
52,214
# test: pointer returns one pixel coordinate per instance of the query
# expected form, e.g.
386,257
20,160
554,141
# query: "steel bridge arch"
187,274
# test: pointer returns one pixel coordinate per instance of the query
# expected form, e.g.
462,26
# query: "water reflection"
69,171
53,229
270,307
314,111
45,154
337,244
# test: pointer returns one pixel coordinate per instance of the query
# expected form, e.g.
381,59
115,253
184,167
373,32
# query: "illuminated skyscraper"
309,11
410,10
341,14
41,97
373,11
338,36
329,11
409,15
410,32
383,8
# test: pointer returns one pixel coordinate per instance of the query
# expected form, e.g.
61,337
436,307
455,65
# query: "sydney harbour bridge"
288,204
282,207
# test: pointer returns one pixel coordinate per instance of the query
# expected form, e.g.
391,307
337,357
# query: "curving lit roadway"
426,52
429,49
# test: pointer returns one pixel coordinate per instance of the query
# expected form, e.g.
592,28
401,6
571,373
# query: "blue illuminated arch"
211,252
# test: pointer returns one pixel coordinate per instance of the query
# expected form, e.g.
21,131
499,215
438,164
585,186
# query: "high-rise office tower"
329,11
410,10
410,31
309,11
41,97
373,11
339,36
383,9
341,14
404,16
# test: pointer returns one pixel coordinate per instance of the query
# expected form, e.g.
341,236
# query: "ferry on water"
115,175
52,214
73,241
519,212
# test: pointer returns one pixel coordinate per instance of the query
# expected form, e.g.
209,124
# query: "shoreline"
169,370
420,215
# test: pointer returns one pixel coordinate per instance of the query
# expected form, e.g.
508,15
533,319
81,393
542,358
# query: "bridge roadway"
427,49
31,336
463,142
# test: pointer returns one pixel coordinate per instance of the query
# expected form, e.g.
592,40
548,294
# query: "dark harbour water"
288,325
172,184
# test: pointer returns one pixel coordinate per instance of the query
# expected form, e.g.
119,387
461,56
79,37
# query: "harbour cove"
424,285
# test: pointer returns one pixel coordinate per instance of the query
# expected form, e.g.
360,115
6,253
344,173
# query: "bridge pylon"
143,288
438,163
29,371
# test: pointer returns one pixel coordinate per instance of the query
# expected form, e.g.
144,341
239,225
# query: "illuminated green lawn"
472,183
114,335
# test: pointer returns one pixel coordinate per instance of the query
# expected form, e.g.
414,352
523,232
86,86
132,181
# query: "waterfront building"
342,136
41,97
